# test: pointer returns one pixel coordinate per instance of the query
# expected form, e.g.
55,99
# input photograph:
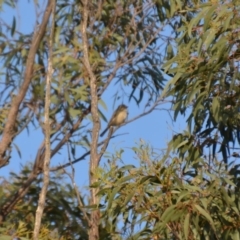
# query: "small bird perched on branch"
118,118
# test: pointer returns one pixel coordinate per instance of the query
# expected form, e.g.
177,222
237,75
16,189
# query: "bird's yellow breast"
120,118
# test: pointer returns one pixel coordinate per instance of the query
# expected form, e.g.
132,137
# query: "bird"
118,118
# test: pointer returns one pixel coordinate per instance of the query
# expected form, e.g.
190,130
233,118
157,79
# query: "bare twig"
106,142
47,131
53,169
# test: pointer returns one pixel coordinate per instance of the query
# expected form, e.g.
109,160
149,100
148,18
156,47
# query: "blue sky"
156,128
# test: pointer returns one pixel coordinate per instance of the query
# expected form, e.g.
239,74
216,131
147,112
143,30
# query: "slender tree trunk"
47,132
94,156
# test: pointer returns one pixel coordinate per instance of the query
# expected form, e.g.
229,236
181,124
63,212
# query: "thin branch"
47,131
110,78
72,177
106,142
160,101
70,132
53,169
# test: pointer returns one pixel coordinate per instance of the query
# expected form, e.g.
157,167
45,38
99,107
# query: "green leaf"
18,150
13,26
103,104
209,16
168,213
209,36
182,144
186,226
74,112
171,82
5,237
216,108
205,214
196,20
113,194
125,179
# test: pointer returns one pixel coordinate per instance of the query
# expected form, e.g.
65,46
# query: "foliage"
125,51
205,72
163,198
190,195
21,232
182,195
62,216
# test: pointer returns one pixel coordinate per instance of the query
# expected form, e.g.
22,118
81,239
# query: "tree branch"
8,131
47,131
94,157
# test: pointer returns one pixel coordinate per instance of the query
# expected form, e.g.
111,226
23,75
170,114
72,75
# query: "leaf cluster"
205,72
62,214
164,198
